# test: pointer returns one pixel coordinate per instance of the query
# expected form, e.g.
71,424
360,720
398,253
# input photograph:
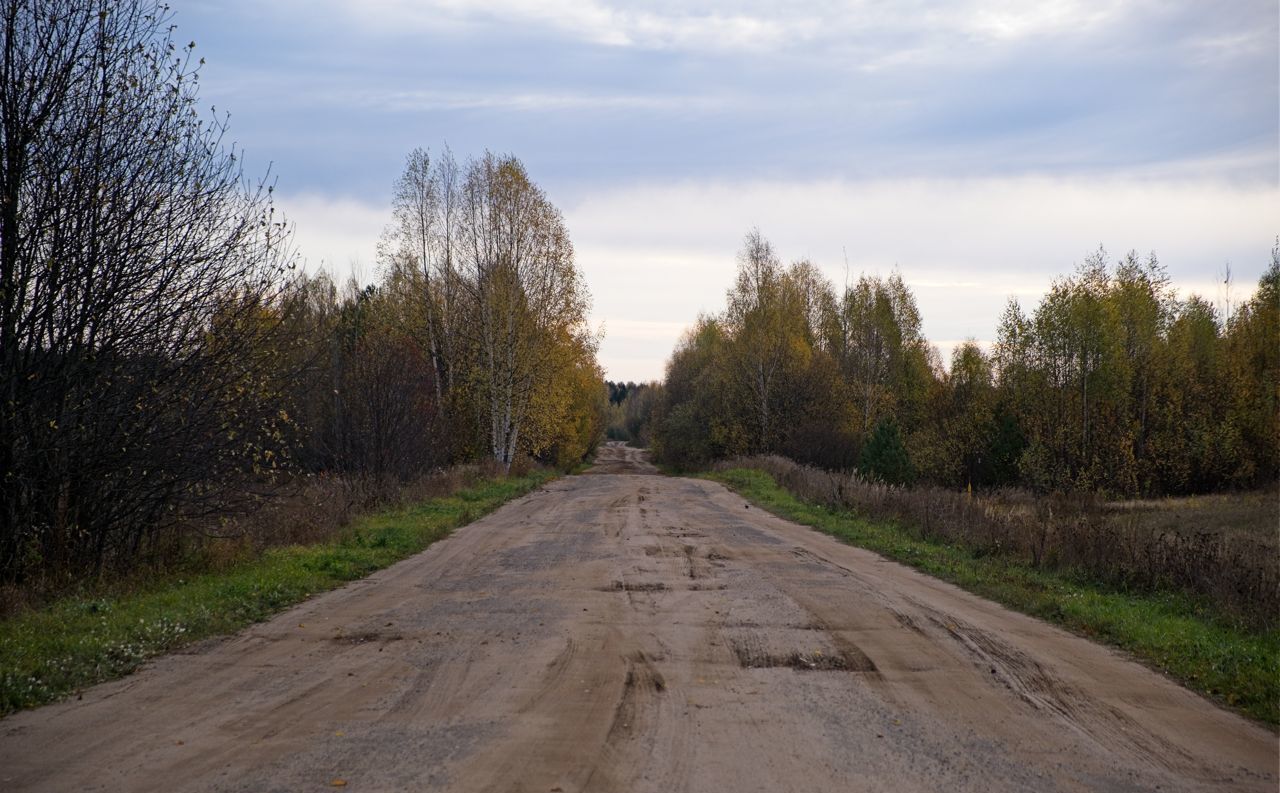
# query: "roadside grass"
77,641
1184,637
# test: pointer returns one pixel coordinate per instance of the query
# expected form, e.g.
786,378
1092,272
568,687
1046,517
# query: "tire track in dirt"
623,631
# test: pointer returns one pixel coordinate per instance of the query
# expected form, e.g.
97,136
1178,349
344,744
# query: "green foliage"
1122,388
365,396
1186,638
571,413
884,456
685,445
79,641
759,374
631,410
881,351
1112,385
694,420
1252,362
999,465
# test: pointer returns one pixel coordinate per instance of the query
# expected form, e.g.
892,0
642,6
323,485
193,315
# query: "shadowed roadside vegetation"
77,641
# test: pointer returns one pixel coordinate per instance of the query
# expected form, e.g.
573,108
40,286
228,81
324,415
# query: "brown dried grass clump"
304,510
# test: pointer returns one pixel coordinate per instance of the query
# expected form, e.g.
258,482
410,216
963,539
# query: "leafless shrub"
440,483
311,509
139,277
1151,546
301,510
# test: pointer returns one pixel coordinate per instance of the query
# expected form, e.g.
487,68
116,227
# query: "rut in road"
624,631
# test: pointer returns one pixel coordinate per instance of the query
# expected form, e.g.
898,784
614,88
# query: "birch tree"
881,350
418,252
755,318
522,292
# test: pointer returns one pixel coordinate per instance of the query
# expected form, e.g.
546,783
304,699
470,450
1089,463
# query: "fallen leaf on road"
338,783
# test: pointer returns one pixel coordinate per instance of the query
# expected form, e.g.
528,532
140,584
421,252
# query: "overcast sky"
980,147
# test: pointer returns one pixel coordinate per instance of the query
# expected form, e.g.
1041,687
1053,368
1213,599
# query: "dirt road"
630,632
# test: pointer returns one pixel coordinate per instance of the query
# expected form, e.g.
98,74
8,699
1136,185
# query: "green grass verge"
1180,636
78,641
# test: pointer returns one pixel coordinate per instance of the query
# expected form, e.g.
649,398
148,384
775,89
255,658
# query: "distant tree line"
630,415
161,361
1112,384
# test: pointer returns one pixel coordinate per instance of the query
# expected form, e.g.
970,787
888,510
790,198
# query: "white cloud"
335,233
1026,18
594,22
656,256
645,330
1014,224
716,26
421,101
1217,48
665,253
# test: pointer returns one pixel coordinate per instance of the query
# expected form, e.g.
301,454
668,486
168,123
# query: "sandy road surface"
630,632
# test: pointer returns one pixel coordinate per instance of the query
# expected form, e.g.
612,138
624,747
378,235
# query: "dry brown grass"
316,508
1225,547
299,510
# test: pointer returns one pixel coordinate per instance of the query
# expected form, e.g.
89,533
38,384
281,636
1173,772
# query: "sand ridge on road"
625,631
619,458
